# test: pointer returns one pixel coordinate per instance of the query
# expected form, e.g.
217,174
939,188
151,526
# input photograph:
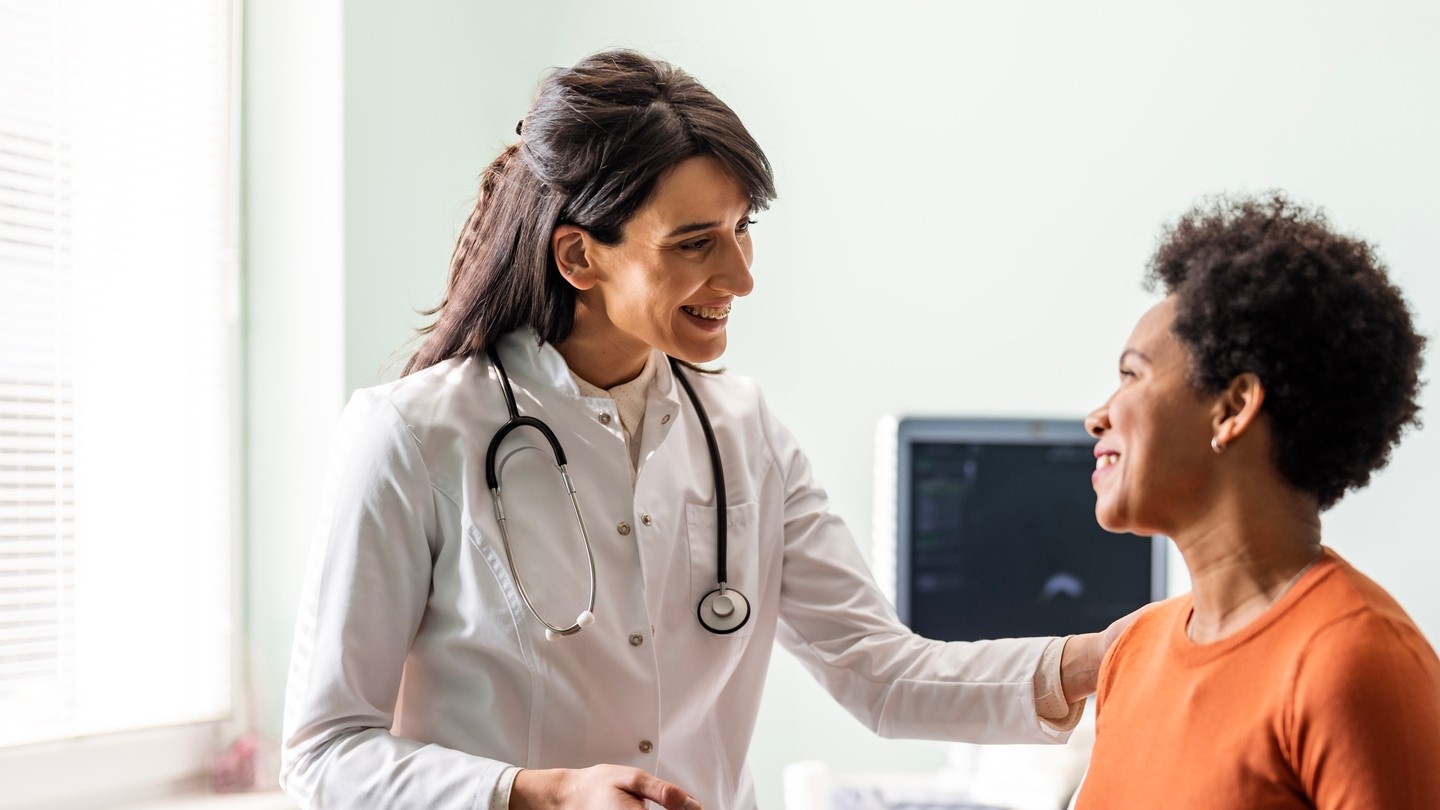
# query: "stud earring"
1216,445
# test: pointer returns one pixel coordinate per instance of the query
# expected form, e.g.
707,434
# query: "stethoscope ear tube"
515,422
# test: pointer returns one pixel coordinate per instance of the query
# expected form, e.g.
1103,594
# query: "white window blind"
117,364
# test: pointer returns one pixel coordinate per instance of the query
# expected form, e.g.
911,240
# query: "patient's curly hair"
1264,285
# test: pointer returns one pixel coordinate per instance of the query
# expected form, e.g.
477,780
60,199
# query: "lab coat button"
604,418
622,527
646,519
665,420
636,639
646,746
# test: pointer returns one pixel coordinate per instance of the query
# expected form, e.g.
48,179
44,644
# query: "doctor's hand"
603,787
1080,661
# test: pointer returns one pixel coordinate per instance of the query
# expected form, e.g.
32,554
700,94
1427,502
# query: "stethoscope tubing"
721,611
721,533
492,480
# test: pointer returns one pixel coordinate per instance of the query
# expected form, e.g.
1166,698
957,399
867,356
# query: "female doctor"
554,556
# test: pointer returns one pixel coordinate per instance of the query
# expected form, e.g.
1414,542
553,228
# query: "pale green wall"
425,108
968,196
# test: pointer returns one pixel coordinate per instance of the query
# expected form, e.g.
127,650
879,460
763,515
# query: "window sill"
119,768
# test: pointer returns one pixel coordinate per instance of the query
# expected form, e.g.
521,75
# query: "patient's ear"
1238,407
572,246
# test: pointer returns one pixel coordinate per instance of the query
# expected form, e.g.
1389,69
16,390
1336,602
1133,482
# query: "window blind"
117,364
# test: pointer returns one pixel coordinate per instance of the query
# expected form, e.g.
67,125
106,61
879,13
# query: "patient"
1276,375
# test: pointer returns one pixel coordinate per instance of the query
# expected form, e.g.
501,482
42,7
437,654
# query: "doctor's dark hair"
597,138
1266,286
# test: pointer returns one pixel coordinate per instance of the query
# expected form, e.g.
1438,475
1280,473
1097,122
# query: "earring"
1216,445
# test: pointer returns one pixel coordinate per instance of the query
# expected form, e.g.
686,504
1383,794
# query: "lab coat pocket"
742,556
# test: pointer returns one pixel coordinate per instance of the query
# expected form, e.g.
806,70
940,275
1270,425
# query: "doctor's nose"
732,273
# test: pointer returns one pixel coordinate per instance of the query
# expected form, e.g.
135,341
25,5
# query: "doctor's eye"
744,225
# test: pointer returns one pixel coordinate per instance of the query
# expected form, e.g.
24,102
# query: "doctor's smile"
715,314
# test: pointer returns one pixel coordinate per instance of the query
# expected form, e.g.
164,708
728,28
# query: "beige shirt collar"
630,402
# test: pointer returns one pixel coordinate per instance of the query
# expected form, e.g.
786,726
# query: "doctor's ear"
571,246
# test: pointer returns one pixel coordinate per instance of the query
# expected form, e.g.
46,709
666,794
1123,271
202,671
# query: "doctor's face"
682,261
1153,460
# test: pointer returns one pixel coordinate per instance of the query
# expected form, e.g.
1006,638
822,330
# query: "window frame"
167,760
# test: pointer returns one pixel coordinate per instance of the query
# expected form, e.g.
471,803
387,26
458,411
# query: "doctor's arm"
364,594
837,622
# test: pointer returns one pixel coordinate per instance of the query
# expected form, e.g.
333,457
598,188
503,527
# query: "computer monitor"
985,528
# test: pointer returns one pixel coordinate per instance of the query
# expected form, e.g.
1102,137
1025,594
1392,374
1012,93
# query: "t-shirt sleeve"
1364,726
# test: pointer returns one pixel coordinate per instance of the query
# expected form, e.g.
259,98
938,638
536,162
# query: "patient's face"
1152,464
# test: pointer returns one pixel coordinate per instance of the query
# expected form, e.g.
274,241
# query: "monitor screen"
995,533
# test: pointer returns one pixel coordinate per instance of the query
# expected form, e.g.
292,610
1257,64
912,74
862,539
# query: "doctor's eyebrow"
693,226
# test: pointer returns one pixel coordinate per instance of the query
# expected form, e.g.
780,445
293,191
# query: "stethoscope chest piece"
723,610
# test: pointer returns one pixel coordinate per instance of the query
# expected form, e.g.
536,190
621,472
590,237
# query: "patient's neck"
1247,555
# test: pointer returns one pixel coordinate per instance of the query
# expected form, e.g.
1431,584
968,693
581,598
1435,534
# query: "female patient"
1276,375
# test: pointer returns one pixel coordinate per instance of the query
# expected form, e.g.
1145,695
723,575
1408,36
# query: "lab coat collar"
523,352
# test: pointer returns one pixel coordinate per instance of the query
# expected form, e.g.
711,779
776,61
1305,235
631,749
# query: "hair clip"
519,125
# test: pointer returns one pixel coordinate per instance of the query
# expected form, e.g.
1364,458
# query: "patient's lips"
1105,459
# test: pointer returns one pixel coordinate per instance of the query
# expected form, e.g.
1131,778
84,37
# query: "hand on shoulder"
1080,663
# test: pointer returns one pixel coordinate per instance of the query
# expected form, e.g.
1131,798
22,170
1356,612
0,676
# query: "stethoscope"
722,610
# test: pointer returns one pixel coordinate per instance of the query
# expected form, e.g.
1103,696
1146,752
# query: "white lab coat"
418,675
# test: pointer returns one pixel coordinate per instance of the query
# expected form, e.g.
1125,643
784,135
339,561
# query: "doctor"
473,634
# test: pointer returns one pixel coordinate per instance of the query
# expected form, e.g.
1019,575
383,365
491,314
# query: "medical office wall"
968,196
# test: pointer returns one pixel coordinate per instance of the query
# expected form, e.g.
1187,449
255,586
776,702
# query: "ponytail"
495,283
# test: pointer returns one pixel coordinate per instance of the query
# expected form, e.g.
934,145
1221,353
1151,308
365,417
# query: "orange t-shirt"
1330,699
